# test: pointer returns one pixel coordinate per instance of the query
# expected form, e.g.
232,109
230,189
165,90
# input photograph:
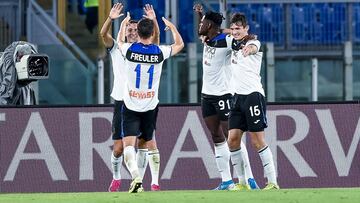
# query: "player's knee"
218,138
118,150
151,145
256,144
233,142
142,144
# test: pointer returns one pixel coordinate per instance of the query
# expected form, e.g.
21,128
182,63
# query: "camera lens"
38,66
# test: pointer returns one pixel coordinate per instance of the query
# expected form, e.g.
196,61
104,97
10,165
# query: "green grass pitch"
333,195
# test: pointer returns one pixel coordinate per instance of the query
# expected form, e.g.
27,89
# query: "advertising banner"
68,149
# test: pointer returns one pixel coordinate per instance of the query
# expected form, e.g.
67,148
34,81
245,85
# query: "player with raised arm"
148,151
248,110
216,95
143,61
117,94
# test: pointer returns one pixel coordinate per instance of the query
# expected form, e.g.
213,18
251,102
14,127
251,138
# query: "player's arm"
178,44
115,13
251,48
150,14
121,35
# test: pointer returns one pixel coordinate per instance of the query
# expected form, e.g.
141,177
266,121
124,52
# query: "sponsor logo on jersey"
235,53
141,94
209,52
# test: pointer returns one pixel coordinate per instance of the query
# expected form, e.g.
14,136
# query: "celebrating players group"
232,97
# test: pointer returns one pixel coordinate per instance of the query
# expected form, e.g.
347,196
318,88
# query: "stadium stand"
356,22
298,30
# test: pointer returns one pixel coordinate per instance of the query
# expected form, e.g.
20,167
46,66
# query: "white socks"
154,162
246,162
130,161
238,164
116,163
143,157
142,161
222,157
268,164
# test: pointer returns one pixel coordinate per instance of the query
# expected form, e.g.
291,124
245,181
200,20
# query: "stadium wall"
67,149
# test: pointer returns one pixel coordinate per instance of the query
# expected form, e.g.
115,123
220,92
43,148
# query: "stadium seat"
356,22
299,27
267,21
356,28
333,17
186,20
254,28
243,8
311,23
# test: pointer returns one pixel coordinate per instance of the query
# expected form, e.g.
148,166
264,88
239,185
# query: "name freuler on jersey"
145,58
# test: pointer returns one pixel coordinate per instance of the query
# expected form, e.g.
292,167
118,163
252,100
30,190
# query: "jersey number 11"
138,75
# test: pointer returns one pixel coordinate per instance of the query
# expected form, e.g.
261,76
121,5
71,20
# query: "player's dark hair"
133,21
214,17
238,18
145,28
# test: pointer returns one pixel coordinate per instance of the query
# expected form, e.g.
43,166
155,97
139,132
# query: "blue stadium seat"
311,23
254,28
136,9
264,17
356,22
215,7
316,34
186,21
243,8
333,17
357,32
299,25
271,22
265,13
279,27
319,23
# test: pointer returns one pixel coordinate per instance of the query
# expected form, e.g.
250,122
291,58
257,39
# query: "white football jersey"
216,69
143,71
246,70
118,67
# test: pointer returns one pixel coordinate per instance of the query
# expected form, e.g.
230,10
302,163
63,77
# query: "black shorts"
140,124
216,105
116,122
248,112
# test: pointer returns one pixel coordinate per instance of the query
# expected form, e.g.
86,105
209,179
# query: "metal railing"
10,21
51,34
34,10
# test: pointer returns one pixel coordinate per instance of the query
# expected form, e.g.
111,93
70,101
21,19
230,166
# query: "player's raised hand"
127,18
149,12
168,24
115,11
198,8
